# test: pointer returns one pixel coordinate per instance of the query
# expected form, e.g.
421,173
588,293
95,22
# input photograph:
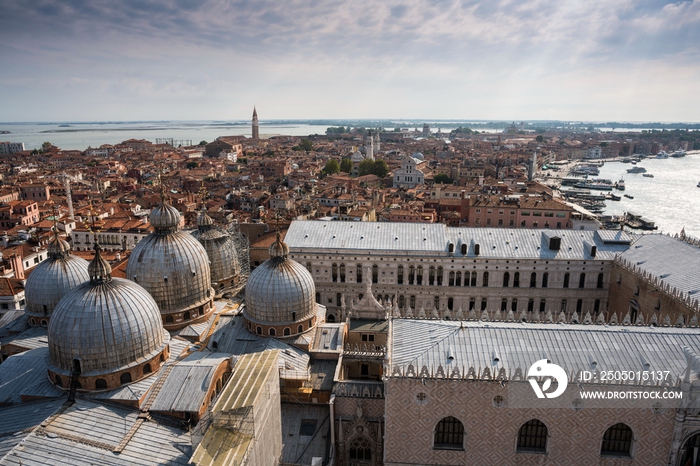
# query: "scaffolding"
174,142
242,248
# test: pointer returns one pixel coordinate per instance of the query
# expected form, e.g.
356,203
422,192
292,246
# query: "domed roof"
108,324
204,220
172,266
278,288
53,278
165,217
221,251
418,155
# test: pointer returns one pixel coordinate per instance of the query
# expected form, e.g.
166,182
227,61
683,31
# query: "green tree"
381,169
331,167
192,164
442,178
603,144
539,138
366,167
202,143
346,165
306,145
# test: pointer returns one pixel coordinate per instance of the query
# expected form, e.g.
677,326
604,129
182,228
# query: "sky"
117,60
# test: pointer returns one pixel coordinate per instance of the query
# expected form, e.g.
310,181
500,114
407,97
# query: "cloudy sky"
601,60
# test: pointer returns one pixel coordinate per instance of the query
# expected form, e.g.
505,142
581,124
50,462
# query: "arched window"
360,449
474,279
516,280
402,301
338,299
300,328
449,434
532,437
399,275
147,369
567,276
168,319
375,274
412,302
533,280
617,441
563,305
186,315
334,272
342,273
458,279
636,290
451,279
100,384
464,249
440,273
579,305
599,284
691,449
258,330
451,247
294,316
330,318
436,302
506,279
596,306
582,280
419,275
272,332
411,275
431,275
545,279
486,279
125,378
358,273
287,332
450,303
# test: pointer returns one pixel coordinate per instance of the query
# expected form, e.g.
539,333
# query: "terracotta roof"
10,286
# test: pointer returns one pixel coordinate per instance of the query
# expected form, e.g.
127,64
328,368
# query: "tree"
381,169
202,143
192,165
346,165
442,178
331,167
306,145
539,138
366,167
603,144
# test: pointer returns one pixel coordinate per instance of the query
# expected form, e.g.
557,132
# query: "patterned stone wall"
491,432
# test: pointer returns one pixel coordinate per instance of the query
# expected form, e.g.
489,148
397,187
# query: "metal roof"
24,374
87,432
188,382
434,238
328,338
673,261
511,346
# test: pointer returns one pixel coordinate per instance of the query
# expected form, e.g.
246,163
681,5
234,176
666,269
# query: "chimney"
17,266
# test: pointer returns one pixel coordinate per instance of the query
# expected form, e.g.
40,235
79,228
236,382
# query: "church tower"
256,134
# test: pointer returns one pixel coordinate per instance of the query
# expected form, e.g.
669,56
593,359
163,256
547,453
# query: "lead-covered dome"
280,295
52,279
108,329
174,268
221,251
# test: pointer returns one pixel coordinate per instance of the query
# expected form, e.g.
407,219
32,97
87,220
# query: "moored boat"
628,196
637,170
648,175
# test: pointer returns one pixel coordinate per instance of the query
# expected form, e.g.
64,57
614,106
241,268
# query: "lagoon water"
78,136
671,198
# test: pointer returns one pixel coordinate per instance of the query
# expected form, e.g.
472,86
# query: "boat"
698,184
637,170
628,196
679,153
662,155
614,197
648,175
620,184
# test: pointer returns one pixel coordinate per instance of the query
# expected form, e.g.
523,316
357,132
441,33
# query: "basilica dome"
174,268
221,250
280,295
52,279
107,331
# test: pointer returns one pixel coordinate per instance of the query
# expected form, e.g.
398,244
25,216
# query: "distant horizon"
320,121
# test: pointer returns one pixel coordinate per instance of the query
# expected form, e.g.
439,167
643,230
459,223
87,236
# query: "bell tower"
256,134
